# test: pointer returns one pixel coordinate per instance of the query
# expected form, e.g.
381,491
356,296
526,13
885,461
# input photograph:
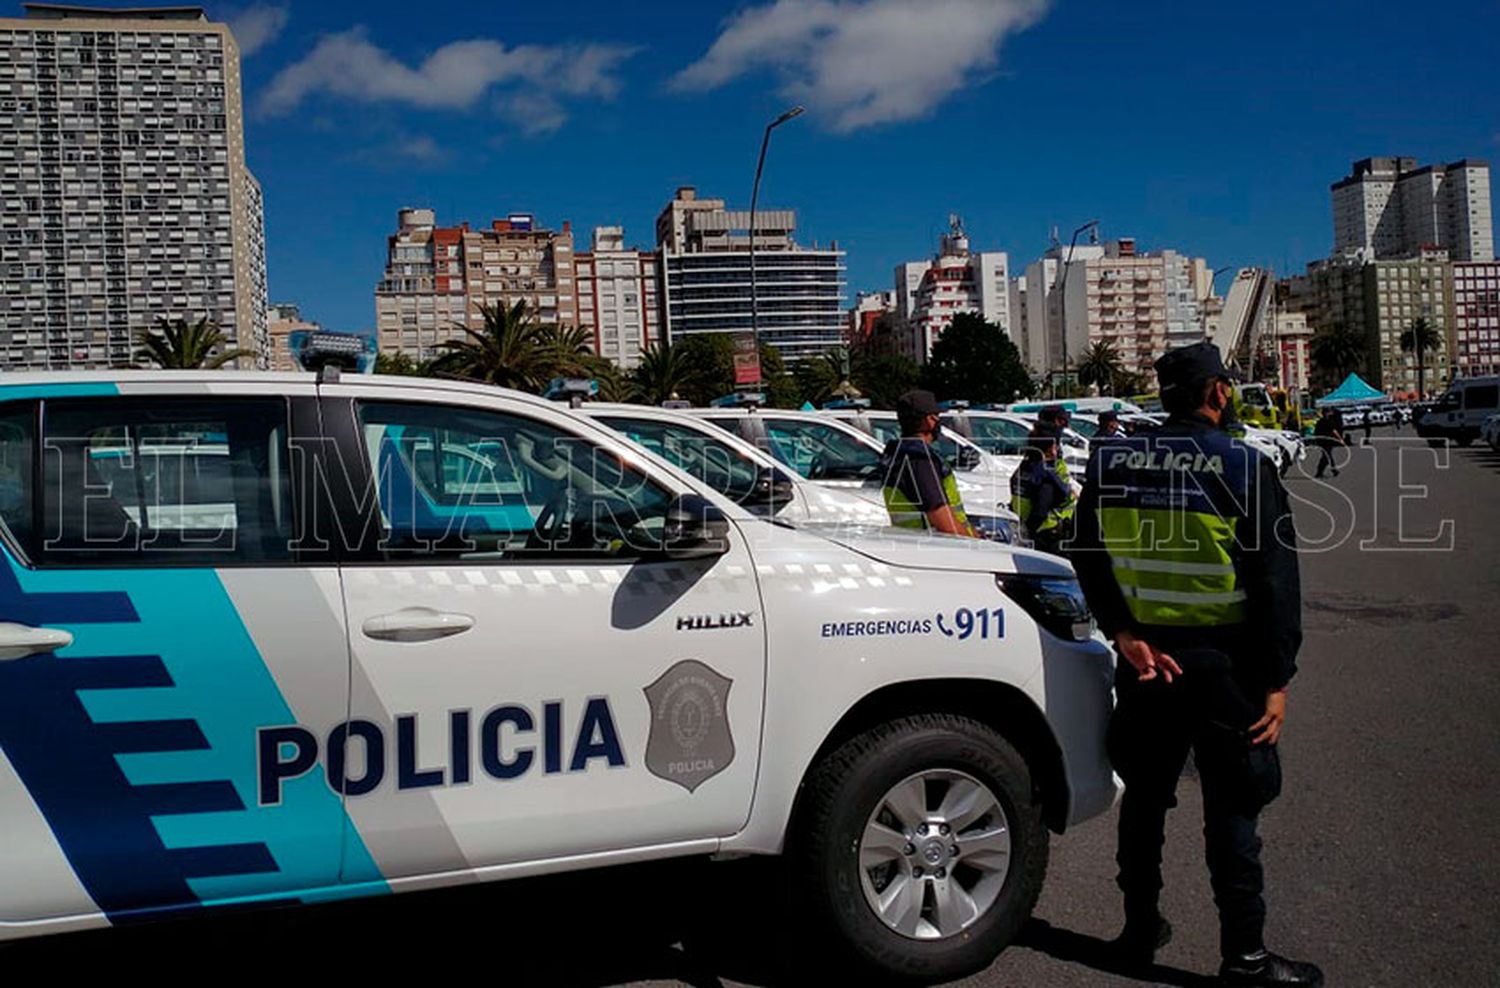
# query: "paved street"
1381,855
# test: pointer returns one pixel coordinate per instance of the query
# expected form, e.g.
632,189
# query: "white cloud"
256,26
858,63
528,81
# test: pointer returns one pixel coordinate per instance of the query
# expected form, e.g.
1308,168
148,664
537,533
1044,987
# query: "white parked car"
1490,432
432,633
971,463
835,453
1464,407
748,475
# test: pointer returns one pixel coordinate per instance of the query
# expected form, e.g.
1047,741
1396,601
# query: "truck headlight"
1055,603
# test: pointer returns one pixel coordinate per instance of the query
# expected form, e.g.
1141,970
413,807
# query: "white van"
1461,412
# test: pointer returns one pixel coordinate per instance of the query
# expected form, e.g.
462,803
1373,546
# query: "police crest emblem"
690,741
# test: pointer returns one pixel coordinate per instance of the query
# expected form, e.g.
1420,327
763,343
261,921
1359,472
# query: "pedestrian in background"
1187,555
1039,496
1328,435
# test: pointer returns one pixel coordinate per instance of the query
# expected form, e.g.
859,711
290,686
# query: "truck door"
529,681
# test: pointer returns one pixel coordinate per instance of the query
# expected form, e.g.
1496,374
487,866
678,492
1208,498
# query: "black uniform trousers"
1154,726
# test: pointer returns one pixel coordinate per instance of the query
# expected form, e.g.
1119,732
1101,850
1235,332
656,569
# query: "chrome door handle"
20,640
416,624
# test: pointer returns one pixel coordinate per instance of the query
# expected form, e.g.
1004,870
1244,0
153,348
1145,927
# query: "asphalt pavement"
1382,855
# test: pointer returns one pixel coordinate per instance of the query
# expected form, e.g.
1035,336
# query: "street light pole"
1062,299
760,164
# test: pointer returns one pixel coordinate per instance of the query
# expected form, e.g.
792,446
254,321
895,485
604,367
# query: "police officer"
1039,496
1186,552
920,490
1109,424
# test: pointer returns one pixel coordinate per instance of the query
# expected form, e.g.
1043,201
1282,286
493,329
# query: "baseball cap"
1190,366
916,403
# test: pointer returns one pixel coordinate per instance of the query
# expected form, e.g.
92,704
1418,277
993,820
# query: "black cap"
1108,415
1052,414
1188,367
1043,434
916,403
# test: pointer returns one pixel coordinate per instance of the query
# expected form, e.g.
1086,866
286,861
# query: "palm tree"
1099,364
663,374
1421,338
566,350
507,351
1337,350
181,345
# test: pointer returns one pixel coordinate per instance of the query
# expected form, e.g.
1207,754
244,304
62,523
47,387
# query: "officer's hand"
1147,660
1268,729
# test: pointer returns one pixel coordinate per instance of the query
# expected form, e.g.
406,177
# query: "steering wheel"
570,520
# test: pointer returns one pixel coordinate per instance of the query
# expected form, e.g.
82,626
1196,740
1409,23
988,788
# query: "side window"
715,463
820,452
886,429
17,453
462,483
165,482
1482,396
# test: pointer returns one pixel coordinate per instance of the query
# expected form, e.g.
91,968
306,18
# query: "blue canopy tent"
1354,389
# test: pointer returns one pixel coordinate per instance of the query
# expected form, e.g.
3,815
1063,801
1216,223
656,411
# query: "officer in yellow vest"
920,490
1041,498
1186,551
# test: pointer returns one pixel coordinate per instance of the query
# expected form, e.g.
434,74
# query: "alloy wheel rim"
934,854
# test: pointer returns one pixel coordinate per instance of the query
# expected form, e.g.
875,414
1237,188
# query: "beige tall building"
123,184
618,300
1389,208
1381,299
285,318
437,278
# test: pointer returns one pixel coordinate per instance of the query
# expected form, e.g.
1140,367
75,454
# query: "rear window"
17,452
164,483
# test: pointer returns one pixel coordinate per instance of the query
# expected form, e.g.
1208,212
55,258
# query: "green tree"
975,360
780,385
1099,364
664,374
883,377
402,364
819,377
712,356
1337,351
177,344
506,351
1421,338
1129,382
566,351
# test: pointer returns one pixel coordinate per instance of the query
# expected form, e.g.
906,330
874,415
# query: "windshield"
1254,394
1086,428
716,463
820,452
997,435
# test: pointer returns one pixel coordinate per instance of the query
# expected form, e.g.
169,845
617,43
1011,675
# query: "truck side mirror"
695,529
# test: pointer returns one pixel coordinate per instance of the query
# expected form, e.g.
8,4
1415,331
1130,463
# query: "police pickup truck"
277,638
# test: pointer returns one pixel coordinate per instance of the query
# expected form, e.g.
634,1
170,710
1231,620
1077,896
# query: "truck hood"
933,551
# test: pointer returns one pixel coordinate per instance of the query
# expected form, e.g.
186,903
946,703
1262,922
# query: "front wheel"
922,847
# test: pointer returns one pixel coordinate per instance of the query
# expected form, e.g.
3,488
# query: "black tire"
843,790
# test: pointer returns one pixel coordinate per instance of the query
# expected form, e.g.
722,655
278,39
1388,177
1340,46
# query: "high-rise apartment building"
956,280
1143,304
285,318
618,300
1389,208
124,184
437,278
1476,318
1381,299
705,257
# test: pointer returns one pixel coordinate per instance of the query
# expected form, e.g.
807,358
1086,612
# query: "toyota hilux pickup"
276,638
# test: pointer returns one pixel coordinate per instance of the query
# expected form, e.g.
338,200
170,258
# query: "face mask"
1227,417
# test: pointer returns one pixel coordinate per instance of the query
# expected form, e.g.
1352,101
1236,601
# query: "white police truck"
274,638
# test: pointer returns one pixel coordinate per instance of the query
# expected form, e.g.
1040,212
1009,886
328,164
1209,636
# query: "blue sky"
1210,127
